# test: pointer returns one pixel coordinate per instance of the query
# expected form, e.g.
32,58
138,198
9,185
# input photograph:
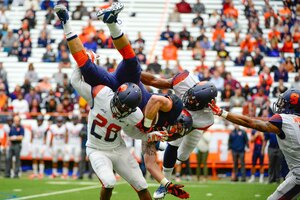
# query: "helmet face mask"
125,100
288,103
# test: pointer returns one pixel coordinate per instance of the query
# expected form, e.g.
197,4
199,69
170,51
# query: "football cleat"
33,176
52,176
110,15
62,13
160,193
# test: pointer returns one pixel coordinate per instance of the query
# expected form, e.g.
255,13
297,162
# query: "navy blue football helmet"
127,97
182,126
197,97
288,102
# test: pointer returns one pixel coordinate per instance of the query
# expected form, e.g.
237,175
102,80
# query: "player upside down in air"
128,70
286,125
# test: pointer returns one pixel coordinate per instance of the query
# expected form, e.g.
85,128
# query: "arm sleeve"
81,87
276,120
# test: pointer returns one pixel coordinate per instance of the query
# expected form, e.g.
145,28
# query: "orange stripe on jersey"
127,52
97,89
80,57
180,77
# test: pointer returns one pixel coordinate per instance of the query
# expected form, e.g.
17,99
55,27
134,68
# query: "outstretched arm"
245,121
161,83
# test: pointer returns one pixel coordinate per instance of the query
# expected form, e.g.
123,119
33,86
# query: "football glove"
142,128
216,109
157,136
175,189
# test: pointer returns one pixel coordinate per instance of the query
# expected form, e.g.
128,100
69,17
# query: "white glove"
157,136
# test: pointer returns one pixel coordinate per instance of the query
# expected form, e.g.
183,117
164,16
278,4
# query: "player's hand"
175,189
157,136
216,109
142,128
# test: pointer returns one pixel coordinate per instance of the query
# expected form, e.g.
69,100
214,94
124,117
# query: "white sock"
75,171
115,30
42,167
54,171
35,168
252,176
65,171
68,30
168,172
261,176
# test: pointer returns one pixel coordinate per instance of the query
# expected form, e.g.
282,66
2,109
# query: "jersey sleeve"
276,120
179,77
81,87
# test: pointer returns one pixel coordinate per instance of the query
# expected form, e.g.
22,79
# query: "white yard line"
60,192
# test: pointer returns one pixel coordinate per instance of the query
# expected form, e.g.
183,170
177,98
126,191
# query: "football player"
286,125
58,142
38,142
195,96
74,142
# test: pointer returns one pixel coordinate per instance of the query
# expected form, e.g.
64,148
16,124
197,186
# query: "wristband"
224,114
164,182
147,122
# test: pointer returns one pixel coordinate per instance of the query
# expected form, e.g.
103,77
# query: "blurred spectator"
58,77
139,42
273,51
83,9
50,16
237,143
199,7
240,60
24,54
64,2
184,34
183,7
26,86
191,44
205,43
285,12
249,69
45,85
296,83
217,80
64,43
167,72
275,157
178,68
297,56
67,104
174,16
286,32
3,16
266,110
255,31
15,137
202,35
296,33
287,45
169,51
274,34
34,4
3,98
281,73
265,79
260,97
233,82
213,18
167,34
141,56
218,43
93,14
247,44
90,44
29,97
45,4
100,38
262,45
279,89
202,155
289,65
227,93
249,108
258,154
34,106
30,17
8,40
77,13
20,105
154,67
65,61
198,21
43,39
177,41
16,92
219,32
49,55
231,11
198,52
237,100
257,57
31,74
222,53
270,16
50,101
90,28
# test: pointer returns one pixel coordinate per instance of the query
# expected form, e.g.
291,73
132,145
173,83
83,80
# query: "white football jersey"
103,129
202,119
290,145
74,133
38,134
58,133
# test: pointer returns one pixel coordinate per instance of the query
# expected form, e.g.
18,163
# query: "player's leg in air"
84,59
129,69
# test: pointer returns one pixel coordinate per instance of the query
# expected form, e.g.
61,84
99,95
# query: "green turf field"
57,189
